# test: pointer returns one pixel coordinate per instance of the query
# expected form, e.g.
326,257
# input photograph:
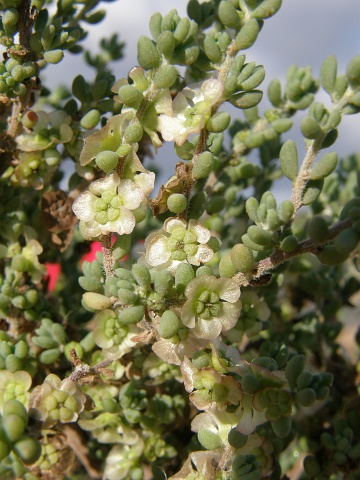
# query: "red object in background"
54,269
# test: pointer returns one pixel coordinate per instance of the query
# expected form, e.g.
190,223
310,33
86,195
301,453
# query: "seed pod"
266,9
148,55
176,203
218,122
282,427
242,258
353,72
228,15
246,99
209,440
318,229
247,35
169,324
293,369
96,301
226,267
90,119
131,315
165,76
310,127
203,166
54,56
166,43
289,160
324,166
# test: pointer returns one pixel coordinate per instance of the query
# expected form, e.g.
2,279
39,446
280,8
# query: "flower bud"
54,56
246,99
130,96
218,122
176,203
131,315
247,35
96,301
289,160
165,76
228,15
148,55
107,160
324,166
169,324
133,133
90,119
242,258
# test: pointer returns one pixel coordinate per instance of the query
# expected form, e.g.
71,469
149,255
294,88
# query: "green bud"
246,99
107,160
289,160
54,56
353,72
130,96
176,203
311,466
274,92
203,166
166,43
312,191
226,267
155,24
266,9
50,356
96,301
306,397
293,369
209,440
259,235
242,258
310,127
91,119
131,315
228,15
163,282
197,205
183,275
218,122
318,229
324,166
169,324
13,426
212,49
281,125
133,133
28,449
148,55
281,427
247,35
165,76
289,244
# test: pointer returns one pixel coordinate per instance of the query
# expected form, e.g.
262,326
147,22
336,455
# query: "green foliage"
203,337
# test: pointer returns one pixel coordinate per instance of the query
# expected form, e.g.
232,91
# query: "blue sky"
303,32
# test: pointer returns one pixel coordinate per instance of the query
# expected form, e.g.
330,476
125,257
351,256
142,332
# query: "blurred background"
303,32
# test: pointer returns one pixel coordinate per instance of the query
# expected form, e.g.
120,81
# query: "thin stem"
105,241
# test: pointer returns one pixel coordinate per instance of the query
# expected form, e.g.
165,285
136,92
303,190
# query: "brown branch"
105,241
